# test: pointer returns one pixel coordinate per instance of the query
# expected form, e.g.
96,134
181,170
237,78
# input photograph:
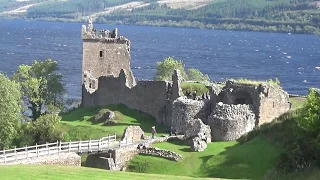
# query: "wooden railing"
105,143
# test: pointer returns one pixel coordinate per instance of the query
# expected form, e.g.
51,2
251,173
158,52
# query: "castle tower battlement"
104,54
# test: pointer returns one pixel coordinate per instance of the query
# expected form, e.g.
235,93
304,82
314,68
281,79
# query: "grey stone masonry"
196,128
65,159
160,153
229,122
198,145
185,110
133,132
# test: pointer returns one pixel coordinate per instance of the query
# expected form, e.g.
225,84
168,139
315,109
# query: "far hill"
289,16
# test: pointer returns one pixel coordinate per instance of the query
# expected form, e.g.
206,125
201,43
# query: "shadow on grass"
250,160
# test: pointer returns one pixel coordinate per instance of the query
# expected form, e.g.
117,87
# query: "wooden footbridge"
90,146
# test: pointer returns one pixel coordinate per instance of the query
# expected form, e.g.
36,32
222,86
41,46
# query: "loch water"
293,59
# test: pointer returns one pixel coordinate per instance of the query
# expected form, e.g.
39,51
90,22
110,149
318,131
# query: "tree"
310,118
45,128
196,75
41,86
167,66
10,110
165,69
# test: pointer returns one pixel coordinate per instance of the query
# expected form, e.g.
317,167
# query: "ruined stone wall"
152,97
102,58
185,110
274,102
267,101
229,122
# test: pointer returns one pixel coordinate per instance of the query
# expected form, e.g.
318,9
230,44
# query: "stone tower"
104,54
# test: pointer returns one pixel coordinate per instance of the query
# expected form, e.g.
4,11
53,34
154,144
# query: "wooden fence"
105,143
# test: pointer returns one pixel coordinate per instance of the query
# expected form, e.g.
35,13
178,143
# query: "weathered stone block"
196,128
133,132
198,145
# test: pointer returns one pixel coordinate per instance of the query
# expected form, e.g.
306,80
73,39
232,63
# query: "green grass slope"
78,125
221,159
34,172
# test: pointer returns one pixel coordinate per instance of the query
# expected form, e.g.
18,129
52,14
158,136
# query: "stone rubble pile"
160,153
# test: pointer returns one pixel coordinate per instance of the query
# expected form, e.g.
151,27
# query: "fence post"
27,152
59,147
108,141
89,145
99,144
115,136
15,152
79,146
69,145
4,153
48,148
37,149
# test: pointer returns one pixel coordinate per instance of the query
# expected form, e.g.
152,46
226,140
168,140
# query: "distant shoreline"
147,24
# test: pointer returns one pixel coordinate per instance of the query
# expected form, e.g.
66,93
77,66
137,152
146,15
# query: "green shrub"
196,75
256,82
310,119
191,87
166,68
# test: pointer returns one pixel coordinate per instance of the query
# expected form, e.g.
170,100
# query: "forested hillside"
294,16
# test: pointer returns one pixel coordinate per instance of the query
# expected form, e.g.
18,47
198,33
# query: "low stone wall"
65,159
230,122
161,153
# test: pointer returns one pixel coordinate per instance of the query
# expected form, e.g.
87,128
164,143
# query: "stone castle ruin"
228,113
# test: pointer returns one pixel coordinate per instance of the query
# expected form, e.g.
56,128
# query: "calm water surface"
220,54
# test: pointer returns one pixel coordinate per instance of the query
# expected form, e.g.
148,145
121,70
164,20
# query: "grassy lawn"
34,172
297,102
250,160
78,125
